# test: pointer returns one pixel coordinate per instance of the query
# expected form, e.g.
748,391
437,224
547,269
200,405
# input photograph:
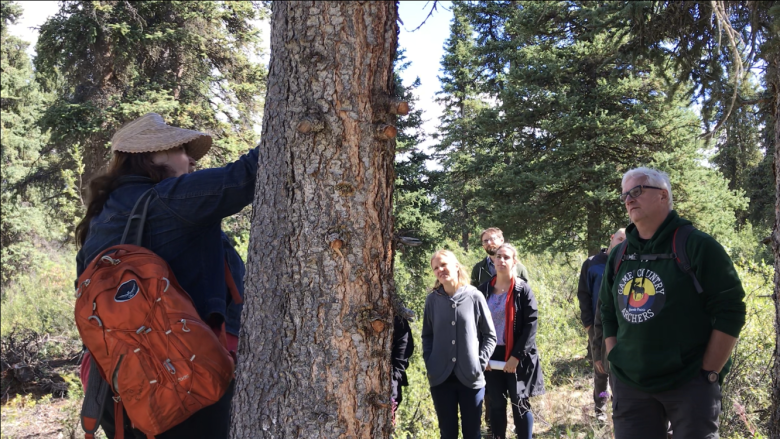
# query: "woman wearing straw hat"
517,372
458,338
183,226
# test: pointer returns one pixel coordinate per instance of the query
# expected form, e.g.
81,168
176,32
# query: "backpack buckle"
631,257
117,399
110,260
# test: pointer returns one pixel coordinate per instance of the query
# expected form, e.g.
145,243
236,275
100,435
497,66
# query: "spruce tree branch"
430,13
724,26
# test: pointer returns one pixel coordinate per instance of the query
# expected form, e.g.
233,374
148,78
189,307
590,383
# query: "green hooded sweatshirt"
661,323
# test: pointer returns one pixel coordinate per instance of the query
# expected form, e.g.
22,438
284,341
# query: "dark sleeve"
237,271
609,322
427,328
585,296
598,332
487,333
724,297
402,335
475,276
207,196
523,272
525,332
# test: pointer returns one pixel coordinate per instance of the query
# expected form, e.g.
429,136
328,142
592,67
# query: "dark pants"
692,409
599,379
211,422
501,385
447,397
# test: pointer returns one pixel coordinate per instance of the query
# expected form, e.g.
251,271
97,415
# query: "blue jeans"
450,394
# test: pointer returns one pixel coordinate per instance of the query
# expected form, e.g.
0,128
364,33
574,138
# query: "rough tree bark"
316,331
773,87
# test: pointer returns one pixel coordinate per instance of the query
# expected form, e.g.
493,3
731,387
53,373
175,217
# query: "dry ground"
26,418
565,411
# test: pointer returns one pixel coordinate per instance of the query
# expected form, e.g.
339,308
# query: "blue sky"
424,47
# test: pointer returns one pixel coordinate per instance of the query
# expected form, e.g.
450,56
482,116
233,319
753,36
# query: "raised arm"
205,197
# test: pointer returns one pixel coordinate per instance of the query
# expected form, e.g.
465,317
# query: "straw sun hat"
149,133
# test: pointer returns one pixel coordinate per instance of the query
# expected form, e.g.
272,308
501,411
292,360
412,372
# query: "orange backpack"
162,362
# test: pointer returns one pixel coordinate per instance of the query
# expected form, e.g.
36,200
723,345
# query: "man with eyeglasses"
483,271
669,333
588,294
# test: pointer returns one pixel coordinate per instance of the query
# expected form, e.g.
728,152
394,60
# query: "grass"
37,331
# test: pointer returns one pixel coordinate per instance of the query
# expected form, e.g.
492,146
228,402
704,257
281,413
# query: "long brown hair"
100,187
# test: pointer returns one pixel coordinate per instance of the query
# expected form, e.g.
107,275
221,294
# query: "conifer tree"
415,210
571,115
713,44
27,223
460,135
317,323
111,61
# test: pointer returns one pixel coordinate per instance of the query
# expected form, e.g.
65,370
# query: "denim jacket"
183,226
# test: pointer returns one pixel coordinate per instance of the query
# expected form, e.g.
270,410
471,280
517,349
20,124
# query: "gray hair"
652,178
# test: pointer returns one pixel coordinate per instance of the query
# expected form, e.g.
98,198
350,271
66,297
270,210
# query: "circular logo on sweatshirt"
642,295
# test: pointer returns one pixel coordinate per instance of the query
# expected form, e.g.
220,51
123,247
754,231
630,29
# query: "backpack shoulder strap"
142,217
94,399
679,244
619,255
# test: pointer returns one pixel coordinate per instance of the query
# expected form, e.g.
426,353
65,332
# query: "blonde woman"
514,313
458,339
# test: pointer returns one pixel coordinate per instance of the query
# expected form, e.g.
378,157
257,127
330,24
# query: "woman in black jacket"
513,308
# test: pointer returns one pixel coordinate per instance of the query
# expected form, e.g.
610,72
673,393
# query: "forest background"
543,109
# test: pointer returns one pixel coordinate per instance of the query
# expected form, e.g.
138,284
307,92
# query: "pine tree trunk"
465,232
95,159
314,357
593,239
773,87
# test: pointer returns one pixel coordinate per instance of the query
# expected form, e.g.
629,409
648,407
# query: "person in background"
403,348
484,270
669,333
514,313
458,339
588,295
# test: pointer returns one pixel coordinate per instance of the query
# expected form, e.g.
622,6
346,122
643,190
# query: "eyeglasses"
635,192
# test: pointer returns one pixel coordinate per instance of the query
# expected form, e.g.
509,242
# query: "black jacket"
530,381
403,347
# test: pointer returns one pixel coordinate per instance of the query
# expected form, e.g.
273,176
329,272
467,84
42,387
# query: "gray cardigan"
457,334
